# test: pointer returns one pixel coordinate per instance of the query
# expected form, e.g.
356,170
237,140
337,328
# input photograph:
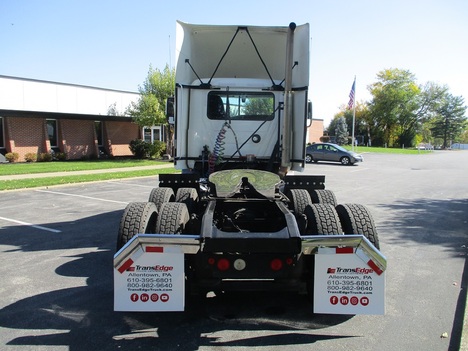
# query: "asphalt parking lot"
57,245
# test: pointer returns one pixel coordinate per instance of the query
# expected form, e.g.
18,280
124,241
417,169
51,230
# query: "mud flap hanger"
311,245
339,244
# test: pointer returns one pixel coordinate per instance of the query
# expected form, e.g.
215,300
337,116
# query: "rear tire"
138,218
356,219
322,196
161,195
189,197
172,219
300,199
322,219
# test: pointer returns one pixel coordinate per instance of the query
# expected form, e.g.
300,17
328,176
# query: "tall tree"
149,110
341,132
430,98
394,105
450,120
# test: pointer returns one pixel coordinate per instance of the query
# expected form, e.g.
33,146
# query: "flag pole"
354,112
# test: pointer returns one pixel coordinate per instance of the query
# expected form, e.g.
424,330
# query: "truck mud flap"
149,273
349,274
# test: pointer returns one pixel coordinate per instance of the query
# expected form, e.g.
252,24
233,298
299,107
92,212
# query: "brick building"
315,131
80,121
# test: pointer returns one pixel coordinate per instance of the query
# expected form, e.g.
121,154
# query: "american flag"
351,96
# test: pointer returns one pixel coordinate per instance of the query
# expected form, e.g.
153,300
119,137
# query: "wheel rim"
345,161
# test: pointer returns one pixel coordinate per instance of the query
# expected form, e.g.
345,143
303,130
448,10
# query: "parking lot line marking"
82,196
359,170
31,225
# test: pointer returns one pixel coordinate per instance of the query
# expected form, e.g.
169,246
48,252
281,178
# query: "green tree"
113,111
464,137
394,105
259,106
341,132
149,110
363,124
450,121
430,98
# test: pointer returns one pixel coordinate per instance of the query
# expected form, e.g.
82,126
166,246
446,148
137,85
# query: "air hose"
218,150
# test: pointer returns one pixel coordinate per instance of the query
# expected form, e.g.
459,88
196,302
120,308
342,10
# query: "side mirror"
309,114
170,115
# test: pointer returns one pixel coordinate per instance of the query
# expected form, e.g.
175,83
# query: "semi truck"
239,216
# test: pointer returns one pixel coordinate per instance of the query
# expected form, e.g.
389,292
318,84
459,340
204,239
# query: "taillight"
276,264
223,264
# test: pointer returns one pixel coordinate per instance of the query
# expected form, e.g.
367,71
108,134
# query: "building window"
99,129
99,132
156,134
153,134
2,135
52,132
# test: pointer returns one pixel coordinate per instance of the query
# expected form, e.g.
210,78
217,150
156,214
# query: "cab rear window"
240,106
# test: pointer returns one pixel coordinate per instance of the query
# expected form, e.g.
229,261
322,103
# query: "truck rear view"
235,216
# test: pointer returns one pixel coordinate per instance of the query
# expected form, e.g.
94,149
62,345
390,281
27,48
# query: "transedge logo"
157,268
356,270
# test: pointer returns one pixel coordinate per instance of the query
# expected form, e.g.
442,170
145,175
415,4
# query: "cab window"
240,106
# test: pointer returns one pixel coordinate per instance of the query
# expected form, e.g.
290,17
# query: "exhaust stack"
288,103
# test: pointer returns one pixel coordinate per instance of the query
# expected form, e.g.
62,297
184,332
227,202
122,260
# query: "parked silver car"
331,152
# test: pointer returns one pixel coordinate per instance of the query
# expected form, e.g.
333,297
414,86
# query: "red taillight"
211,261
223,264
289,261
276,264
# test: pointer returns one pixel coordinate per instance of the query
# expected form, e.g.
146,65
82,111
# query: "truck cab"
230,94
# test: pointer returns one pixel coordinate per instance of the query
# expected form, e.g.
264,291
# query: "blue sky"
110,44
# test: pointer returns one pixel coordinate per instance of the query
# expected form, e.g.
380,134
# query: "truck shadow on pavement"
82,317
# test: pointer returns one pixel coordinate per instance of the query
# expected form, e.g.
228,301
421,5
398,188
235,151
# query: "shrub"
30,157
140,148
60,156
143,149
158,147
44,157
12,156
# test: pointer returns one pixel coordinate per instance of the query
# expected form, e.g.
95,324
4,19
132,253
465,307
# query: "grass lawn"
49,181
68,166
387,150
